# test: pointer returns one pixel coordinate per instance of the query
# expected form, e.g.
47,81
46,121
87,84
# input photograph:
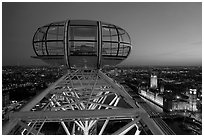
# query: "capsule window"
55,33
83,48
109,34
109,49
83,33
124,37
55,48
40,34
40,48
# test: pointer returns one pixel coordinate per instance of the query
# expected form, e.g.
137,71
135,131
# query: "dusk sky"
161,33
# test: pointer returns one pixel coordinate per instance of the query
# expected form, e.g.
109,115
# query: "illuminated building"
192,94
153,82
159,99
170,102
179,105
155,97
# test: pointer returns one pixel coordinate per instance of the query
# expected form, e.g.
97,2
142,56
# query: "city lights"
177,97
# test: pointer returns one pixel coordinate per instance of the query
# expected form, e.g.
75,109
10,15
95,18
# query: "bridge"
157,117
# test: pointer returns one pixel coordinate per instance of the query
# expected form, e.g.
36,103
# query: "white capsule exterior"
82,44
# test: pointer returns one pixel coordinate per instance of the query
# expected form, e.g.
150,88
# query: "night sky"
161,33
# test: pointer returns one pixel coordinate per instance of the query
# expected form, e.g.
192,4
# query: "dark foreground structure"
85,101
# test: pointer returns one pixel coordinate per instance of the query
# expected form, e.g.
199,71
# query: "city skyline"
174,97
161,33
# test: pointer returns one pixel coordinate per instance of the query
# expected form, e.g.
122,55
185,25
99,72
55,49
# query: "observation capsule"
81,44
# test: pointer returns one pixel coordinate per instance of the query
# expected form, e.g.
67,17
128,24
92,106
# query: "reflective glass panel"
55,33
40,35
40,48
124,37
124,50
83,48
83,33
55,48
120,53
109,48
109,34
83,22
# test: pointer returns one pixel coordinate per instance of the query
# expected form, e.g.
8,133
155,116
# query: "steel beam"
105,105
41,126
104,126
32,128
29,128
155,129
77,114
39,97
65,128
118,89
68,105
126,128
80,89
7,127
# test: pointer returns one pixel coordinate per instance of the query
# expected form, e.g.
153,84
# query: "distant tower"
153,81
192,94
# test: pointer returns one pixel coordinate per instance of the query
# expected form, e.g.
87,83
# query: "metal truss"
81,102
